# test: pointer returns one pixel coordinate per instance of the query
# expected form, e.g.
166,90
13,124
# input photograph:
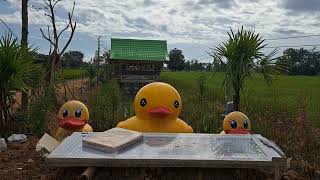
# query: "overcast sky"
190,25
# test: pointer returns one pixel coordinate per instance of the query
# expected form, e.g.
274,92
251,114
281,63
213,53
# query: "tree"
176,62
242,57
108,68
301,61
72,59
17,71
55,52
98,59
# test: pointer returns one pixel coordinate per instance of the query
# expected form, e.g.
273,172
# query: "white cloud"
190,22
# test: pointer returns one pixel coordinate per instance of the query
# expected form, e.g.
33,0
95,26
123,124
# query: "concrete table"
174,150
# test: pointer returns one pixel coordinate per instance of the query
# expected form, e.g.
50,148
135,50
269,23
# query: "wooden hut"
137,62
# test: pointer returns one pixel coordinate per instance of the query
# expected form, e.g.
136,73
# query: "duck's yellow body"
157,107
171,126
73,117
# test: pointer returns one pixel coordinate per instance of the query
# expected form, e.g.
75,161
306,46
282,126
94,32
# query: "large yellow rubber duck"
236,123
157,107
73,117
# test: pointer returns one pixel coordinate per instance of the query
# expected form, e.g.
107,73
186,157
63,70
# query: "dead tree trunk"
24,16
55,53
24,43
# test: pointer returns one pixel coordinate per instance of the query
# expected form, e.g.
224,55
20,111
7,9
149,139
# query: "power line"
303,45
9,28
294,37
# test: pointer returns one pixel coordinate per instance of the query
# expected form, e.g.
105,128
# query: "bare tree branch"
48,15
56,3
47,38
53,37
73,28
63,30
46,2
50,48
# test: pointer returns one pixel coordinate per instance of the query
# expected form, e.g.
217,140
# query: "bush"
39,107
106,110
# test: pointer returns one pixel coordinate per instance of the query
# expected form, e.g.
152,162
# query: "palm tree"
17,70
241,56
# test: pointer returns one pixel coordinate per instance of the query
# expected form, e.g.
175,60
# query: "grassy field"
285,93
73,73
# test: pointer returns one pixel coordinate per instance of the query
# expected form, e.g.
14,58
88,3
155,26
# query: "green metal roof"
138,50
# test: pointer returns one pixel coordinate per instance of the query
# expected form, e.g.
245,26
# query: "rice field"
284,94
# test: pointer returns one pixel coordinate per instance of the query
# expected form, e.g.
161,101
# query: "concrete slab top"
171,150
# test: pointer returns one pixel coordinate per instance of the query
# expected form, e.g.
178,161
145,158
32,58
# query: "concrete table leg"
88,173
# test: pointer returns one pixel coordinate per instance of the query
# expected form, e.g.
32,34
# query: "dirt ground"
21,161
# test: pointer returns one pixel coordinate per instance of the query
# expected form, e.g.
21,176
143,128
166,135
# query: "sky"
194,26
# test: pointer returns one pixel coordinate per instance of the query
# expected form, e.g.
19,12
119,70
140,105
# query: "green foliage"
243,56
301,61
202,86
176,62
74,73
92,72
105,106
17,72
39,107
72,59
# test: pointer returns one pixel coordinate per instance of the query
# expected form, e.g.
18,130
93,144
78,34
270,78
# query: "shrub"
202,86
17,68
37,116
106,110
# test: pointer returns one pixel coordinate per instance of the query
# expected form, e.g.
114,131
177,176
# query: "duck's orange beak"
238,131
160,111
71,123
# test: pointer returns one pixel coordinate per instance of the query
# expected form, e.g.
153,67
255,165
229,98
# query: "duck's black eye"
233,124
245,124
143,102
77,113
176,104
65,113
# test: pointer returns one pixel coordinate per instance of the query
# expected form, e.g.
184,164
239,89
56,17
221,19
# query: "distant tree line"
301,61
296,62
70,59
178,63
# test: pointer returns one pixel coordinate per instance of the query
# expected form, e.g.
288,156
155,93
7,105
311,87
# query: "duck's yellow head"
157,101
73,115
236,123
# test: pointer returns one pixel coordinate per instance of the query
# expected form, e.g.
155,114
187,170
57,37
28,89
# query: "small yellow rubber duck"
236,123
73,117
157,107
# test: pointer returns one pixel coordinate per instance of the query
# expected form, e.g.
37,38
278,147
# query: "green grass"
284,94
73,73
